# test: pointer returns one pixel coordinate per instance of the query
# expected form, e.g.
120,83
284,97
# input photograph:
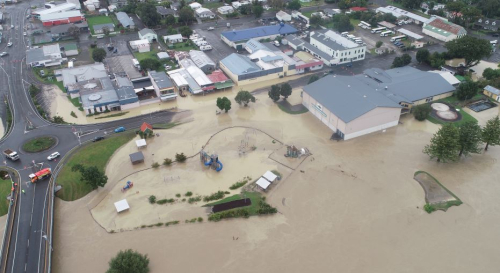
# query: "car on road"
349,65
4,54
11,26
277,43
120,129
9,44
97,138
24,33
211,28
53,156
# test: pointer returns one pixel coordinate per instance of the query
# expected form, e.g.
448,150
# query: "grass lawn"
97,20
146,55
184,47
308,13
289,111
254,196
164,125
212,5
39,144
457,104
354,22
93,154
5,186
313,3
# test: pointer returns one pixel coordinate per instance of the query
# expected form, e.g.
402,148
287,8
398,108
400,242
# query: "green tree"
58,120
411,4
406,58
129,261
294,5
312,79
285,90
155,165
444,144
150,64
379,44
224,104
91,175
342,23
275,92
185,31
130,7
245,9
455,6
466,90
491,132
421,112
469,138
470,14
180,157
491,74
98,54
423,55
147,12
316,21
170,20
244,97
33,90
257,10
167,161
436,60
105,30
171,31
470,48
186,15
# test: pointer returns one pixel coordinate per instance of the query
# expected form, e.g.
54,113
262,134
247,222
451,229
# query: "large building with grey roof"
352,106
339,49
49,55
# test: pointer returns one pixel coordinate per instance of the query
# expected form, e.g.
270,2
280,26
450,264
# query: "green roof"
70,47
438,31
226,84
460,78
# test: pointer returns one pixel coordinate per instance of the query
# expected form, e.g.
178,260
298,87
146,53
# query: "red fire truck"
44,173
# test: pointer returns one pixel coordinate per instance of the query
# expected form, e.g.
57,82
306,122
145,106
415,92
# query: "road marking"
17,233
29,242
25,264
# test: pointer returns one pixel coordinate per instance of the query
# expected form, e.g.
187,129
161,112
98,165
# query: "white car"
53,156
211,28
3,54
167,67
24,33
9,44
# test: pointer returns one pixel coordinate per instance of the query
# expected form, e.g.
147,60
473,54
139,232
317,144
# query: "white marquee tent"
121,205
263,183
140,143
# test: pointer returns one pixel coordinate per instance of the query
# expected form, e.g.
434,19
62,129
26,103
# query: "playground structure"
128,186
211,160
292,151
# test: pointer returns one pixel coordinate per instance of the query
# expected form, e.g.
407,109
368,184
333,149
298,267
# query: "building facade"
341,49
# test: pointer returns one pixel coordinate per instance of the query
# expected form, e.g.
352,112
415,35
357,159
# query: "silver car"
53,156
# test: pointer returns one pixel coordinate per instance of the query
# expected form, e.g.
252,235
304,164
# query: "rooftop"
164,11
492,89
333,40
83,73
145,31
253,45
249,33
443,27
60,15
161,79
101,26
402,13
200,58
124,19
181,77
217,76
199,76
410,33
239,64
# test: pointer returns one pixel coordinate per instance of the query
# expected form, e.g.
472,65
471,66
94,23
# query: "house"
283,16
118,3
148,34
352,106
162,85
202,61
204,13
443,30
200,78
140,45
125,20
92,5
339,49
237,38
163,56
60,18
164,12
225,10
195,5
492,92
331,12
49,55
173,39
112,8
487,24
70,49
146,128
184,82
99,29
220,80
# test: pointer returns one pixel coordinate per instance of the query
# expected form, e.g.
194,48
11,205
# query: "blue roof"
249,33
239,64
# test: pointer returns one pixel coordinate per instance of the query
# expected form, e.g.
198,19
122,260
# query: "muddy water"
2,129
61,106
351,207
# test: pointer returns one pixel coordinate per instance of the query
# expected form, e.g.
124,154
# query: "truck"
12,155
44,173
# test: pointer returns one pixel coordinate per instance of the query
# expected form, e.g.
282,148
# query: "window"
319,106
429,99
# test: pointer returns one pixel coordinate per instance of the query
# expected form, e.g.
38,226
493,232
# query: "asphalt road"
27,248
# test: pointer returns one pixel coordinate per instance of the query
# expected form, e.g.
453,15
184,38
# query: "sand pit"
243,152
440,106
445,112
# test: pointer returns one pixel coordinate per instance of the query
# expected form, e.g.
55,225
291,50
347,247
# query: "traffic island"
39,144
437,196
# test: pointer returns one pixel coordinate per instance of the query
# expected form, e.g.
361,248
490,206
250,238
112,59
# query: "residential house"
487,24
331,12
118,3
125,20
173,39
283,16
70,49
148,34
99,29
163,86
492,92
146,128
140,45
164,12
443,30
49,55
225,10
204,13
195,5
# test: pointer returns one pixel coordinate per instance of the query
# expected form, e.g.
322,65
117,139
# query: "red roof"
359,9
208,88
145,126
455,29
311,64
217,76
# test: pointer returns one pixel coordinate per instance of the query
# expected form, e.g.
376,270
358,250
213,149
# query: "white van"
358,41
135,62
206,47
100,36
344,34
202,43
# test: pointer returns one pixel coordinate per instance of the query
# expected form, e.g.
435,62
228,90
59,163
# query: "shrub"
167,161
236,213
183,200
143,226
265,208
214,196
171,223
190,221
378,44
155,165
238,185
188,194
73,114
428,208
152,199
159,224
421,112
200,219
161,201
180,157
178,195
194,199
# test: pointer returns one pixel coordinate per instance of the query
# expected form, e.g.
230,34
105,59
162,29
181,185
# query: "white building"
283,16
341,49
195,5
148,34
49,55
443,30
204,13
225,10
140,45
173,39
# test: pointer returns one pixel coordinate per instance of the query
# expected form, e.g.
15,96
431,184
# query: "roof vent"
386,87
348,85
364,96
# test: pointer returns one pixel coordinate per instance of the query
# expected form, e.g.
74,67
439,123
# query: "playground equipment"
292,151
211,160
128,186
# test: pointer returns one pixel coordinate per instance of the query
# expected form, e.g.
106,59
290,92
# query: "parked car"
211,28
97,138
348,65
167,67
4,54
24,33
277,43
42,73
120,129
53,156
9,44
495,35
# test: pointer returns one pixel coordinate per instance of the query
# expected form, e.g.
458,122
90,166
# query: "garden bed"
232,205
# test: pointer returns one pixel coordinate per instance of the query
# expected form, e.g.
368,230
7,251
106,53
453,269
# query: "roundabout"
39,144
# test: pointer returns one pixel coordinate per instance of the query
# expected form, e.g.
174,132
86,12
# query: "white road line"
17,232
41,230
28,242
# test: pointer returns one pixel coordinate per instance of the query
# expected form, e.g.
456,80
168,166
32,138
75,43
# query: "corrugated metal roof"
124,19
249,33
492,89
60,15
101,26
161,79
145,31
239,64
200,58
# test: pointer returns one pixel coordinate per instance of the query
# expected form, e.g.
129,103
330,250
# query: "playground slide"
219,168
209,162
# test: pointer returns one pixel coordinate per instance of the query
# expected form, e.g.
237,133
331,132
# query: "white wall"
342,56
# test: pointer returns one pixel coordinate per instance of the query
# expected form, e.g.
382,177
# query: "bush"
159,224
180,157
188,194
378,44
428,208
178,195
200,219
152,199
171,223
129,261
238,185
236,213
167,161
192,200
214,196
155,165
73,114
421,112
265,208
165,201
